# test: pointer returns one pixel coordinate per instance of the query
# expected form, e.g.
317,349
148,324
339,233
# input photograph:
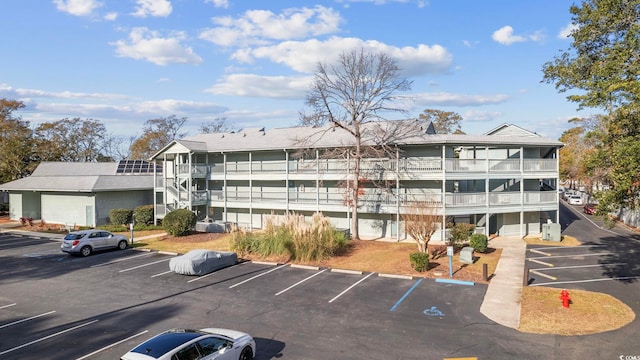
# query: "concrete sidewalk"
502,301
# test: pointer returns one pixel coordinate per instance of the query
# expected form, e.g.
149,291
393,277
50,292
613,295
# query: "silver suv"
86,242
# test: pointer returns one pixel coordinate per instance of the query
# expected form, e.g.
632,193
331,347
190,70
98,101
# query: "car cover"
200,262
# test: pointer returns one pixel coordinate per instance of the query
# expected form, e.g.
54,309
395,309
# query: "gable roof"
401,132
79,177
511,130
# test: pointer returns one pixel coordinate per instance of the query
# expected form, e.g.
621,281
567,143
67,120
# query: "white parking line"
47,337
539,262
122,259
350,287
141,266
301,281
112,345
162,273
26,319
566,247
579,266
574,255
257,276
6,306
586,281
543,275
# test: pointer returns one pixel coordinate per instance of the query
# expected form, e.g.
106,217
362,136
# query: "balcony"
377,166
195,170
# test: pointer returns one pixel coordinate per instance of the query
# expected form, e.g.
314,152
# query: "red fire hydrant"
564,296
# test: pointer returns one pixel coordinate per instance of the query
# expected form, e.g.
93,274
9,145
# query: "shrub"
293,237
419,261
26,220
179,222
459,233
120,216
479,242
143,214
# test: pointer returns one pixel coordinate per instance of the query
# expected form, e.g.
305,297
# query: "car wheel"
122,244
85,251
246,354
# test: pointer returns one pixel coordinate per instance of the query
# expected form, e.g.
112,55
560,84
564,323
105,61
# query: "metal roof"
400,132
79,177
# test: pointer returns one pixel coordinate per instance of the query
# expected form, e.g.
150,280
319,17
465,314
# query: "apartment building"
504,182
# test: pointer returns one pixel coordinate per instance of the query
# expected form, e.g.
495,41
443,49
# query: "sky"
123,62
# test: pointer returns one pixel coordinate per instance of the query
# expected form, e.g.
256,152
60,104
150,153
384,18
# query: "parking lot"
57,306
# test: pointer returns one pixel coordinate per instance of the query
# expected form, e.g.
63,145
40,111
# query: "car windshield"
163,343
73,236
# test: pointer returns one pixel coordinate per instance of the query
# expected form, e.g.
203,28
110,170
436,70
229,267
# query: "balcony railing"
341,166
404,166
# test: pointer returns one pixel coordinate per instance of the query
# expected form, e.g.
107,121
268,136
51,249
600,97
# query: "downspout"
286,180
521,192
557,153
443,165
317,181
397,194
155,182
250,191
224,187
486,191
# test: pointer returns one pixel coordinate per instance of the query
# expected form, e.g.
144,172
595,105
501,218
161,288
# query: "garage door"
67,209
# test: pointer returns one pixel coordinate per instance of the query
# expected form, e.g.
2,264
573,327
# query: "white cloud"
304,56
566,31
259,27
449,99
11,92
77,7
219,3
146,8
144,44
481,116
112,16
280,87
505,36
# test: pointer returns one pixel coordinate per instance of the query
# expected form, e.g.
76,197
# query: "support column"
250,191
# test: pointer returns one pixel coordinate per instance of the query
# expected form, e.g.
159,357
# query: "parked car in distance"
567,194
187,344
85,242
575,200
589,209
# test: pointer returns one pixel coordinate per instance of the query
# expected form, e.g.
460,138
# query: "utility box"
466,255
551,232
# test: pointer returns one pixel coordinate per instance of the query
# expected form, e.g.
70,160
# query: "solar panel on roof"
137,167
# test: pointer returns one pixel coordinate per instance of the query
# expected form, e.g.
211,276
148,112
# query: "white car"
188,344
85,242
575,200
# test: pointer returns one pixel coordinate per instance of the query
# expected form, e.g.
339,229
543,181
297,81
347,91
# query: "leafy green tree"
73,140
602,65
445,122
156,134
358,89
16,142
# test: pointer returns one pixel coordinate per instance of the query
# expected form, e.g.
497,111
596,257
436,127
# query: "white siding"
15,206
66,208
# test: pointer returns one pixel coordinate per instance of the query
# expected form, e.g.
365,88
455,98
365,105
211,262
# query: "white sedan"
575,200
188,344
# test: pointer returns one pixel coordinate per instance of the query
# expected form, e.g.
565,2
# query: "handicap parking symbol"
433,311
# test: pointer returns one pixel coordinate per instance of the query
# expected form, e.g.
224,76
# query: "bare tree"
216,125
360,88
421,221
